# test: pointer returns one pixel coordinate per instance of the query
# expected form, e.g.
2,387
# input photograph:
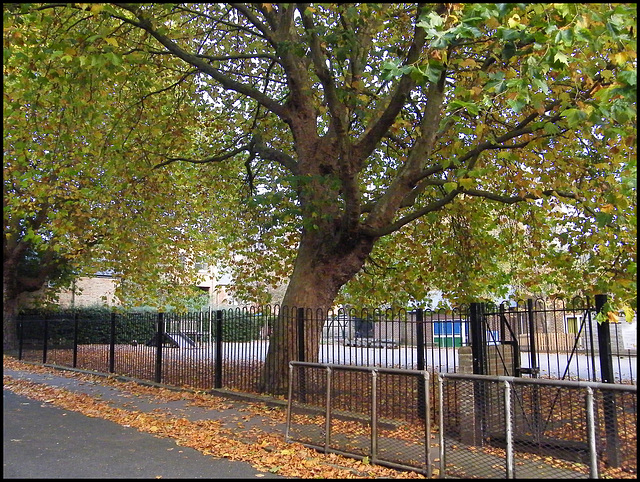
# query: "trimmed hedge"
94,326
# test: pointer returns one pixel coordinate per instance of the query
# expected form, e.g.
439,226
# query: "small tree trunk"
9,314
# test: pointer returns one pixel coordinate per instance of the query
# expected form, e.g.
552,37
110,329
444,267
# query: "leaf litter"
264,450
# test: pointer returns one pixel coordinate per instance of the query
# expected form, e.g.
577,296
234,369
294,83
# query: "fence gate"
511,341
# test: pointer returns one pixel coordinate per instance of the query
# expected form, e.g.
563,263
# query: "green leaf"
450,186
603,219
517,104
551,128
629,77
562,58
574,117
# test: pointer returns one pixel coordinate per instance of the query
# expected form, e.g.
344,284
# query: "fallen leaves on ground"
267,452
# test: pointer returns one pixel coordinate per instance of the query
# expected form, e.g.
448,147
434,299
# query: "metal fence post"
327,418
301,355
533,354
604,342
159,340
45,340
508,429
479,352
112,344
608,397
289,404
427,424
591,435
420,338
420,341
441,430
218,357
300,330
478,348
374,414
20,335
76,316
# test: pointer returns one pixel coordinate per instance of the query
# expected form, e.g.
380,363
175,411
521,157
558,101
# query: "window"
573,324
202,266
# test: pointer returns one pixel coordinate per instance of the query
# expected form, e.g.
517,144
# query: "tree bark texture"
9,308
318,275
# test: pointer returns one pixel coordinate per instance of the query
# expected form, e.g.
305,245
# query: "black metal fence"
203,350
532,340
227,348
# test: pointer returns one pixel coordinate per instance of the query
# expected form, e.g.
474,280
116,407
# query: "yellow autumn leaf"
613,317
466,183
628,313
450,186
468,63
620,58
607,208
111,41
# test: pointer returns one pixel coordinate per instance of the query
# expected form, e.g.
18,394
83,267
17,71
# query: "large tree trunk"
318,275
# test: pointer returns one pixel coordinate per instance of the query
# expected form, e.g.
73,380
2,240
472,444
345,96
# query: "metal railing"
487,426
227,348
318,418
507,427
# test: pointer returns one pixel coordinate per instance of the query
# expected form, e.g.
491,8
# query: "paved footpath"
44,441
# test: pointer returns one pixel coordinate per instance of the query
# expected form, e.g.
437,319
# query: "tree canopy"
527,108
84,126
471,148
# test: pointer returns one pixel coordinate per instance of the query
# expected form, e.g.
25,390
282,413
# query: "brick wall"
498,356
93,291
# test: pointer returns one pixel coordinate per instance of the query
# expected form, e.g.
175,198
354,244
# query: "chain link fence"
487,426
319,417
519,428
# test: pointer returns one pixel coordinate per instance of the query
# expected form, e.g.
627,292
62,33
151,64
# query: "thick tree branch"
379,127
199,63
517,199
210,159
268,153
412,170
268,33
395,226
339,120
256,146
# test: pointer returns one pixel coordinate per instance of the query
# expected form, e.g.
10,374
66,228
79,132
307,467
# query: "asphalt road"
43,441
